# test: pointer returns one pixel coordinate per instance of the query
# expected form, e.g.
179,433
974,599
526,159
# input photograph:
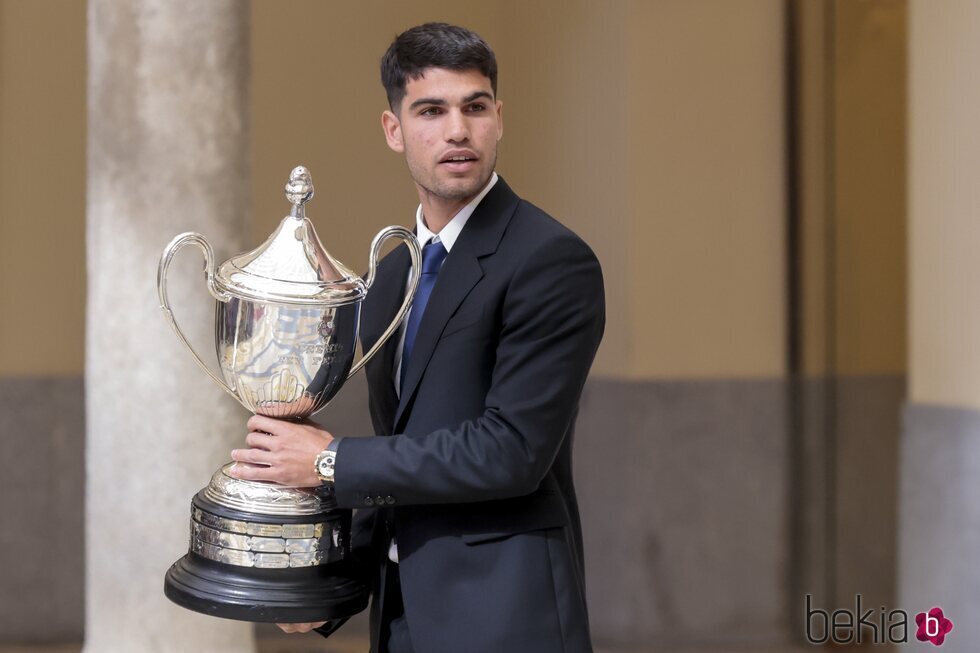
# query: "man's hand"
280,451
300,628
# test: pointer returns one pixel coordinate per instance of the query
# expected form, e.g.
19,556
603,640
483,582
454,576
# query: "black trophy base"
299,595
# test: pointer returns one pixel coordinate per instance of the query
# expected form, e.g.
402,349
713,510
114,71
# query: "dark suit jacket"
477,483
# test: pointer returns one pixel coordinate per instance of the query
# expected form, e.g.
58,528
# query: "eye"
477,107
430,111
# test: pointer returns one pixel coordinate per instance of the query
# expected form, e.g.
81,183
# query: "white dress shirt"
447,236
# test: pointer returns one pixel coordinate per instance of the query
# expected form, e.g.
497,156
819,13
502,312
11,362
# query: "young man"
468,518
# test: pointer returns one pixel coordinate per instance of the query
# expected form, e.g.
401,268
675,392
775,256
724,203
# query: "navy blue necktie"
433,254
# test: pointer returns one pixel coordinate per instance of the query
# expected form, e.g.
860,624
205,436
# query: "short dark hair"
434,45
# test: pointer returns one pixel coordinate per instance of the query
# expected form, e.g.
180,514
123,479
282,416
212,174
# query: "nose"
457,128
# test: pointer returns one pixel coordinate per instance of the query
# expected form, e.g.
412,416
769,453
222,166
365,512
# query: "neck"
438,211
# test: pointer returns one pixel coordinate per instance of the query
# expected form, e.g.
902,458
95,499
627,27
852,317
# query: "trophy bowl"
286,323
285,361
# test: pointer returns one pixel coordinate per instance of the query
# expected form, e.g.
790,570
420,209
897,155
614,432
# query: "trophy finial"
299,189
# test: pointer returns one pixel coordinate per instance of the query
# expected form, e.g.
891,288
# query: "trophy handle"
191,238
413,283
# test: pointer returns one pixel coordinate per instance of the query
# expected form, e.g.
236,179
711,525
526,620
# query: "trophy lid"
292,266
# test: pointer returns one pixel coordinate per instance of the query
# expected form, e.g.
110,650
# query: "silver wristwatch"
325,461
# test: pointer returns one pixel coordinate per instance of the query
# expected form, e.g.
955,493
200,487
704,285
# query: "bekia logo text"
876,626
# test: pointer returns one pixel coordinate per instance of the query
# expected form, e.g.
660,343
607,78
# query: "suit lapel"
459,274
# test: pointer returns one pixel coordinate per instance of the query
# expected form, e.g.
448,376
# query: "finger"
254,456
260,440
300,628
267,424
305,628
248,472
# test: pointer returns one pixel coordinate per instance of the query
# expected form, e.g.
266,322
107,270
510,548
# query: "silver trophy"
286,323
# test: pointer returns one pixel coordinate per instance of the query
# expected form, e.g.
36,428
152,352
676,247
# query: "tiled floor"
295,644
271,640
354,644
338,644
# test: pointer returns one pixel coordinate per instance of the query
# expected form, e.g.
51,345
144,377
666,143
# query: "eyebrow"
440,102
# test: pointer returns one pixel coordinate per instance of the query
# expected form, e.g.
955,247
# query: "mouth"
459,160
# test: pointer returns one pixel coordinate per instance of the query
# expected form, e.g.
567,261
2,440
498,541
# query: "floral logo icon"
933,626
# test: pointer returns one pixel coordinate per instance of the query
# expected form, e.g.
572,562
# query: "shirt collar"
451,231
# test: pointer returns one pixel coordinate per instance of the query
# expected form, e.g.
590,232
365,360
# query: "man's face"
448,125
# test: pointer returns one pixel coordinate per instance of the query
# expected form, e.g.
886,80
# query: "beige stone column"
167,152
939,562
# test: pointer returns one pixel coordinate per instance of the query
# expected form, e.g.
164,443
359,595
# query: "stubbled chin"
458,188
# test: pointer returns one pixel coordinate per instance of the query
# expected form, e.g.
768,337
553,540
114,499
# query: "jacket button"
390,500
368,501
379,500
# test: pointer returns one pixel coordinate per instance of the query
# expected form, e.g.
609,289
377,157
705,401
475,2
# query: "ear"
500,119
393,131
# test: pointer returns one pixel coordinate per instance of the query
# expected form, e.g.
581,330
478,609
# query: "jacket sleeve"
552,321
